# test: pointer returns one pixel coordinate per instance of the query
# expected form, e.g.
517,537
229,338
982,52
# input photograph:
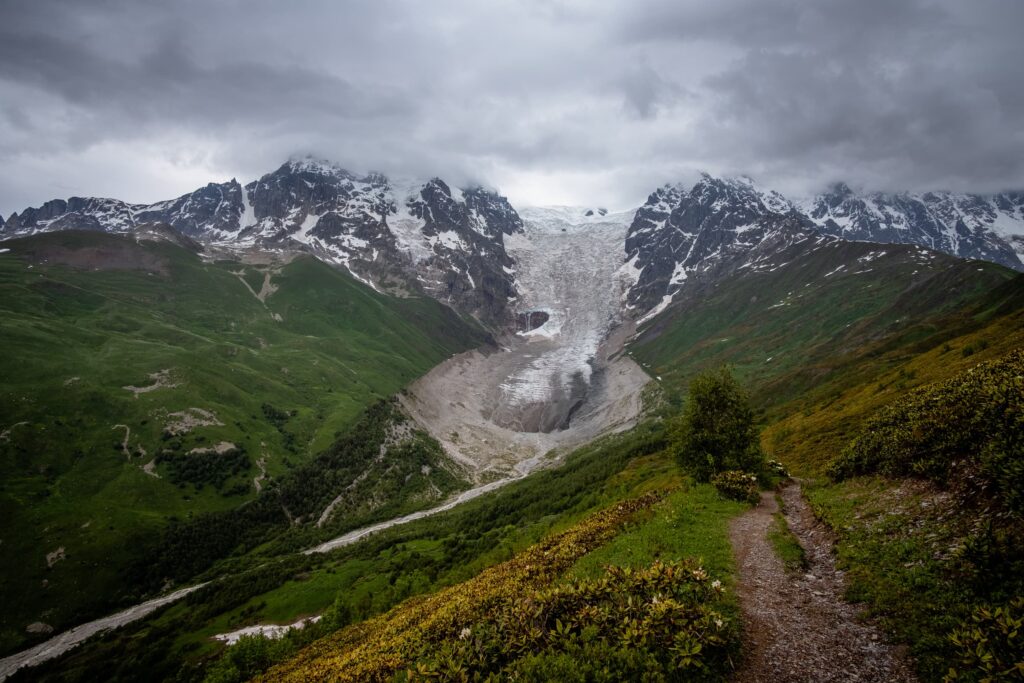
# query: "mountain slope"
416,235
825,320
706,231
720,226
990,228
141,382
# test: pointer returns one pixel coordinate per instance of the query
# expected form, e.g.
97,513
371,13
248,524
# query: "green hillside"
935,545
821,347
141,383
834,333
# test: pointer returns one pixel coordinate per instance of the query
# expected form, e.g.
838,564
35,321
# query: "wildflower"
464,633
716,584
719,623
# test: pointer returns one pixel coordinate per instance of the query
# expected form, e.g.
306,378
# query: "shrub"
654,623
416,633
991,646
717,431
737,485
967,431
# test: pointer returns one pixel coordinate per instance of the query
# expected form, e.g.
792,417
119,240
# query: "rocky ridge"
689,237
419,235
974,226
682,235
431,237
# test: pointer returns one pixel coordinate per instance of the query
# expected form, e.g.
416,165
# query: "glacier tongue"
567,266
559,384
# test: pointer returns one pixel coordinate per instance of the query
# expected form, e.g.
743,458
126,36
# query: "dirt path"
797,628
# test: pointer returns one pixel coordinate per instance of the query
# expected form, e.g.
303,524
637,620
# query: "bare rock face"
680,235
39,628
985,227
402,236
531,320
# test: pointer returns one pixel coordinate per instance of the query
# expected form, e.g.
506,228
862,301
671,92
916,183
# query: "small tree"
717,432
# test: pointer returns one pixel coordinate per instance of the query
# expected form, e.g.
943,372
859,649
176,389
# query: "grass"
928,550
829,355
894,543
908,549
785,544
74,337
691,523
372,650
818,354
379,572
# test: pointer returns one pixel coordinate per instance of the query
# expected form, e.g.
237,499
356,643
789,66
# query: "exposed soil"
272,631
220,449
55,557
797,627
150,468
124,443
266,289
257,482
6,434
161,380
186,420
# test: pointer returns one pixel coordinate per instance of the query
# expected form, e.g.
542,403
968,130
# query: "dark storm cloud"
572,100
887,93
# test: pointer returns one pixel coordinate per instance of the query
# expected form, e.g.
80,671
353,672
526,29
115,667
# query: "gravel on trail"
797,627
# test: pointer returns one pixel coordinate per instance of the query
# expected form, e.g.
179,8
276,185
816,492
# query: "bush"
655,623
206,467
737,485
991,646
717,431
246,658
967,432
415,634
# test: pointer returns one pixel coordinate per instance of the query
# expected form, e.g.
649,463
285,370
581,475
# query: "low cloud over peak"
566,102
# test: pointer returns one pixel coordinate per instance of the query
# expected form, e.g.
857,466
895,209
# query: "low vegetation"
786,545
110,364
655,623
530,582
206,467
938,554
818,354
658,621
360,581
966,433
383,467
989,648
737,485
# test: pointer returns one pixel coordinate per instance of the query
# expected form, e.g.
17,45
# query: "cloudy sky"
552,101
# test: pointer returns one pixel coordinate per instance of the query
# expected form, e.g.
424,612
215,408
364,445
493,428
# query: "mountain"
989,228
428,236
720,226
114,338
705,232
416,235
